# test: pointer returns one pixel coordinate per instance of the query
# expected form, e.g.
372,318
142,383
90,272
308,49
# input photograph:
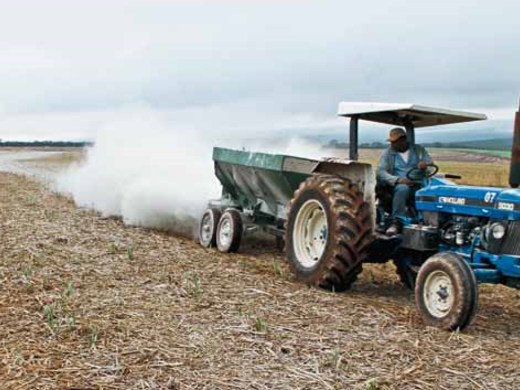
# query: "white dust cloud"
147,172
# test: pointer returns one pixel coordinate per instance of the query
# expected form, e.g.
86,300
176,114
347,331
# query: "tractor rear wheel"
208,227
229,231
446,292
328,231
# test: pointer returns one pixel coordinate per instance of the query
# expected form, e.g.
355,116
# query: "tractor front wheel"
446,292
329,228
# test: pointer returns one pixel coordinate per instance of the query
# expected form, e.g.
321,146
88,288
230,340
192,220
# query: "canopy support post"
353,139
410,131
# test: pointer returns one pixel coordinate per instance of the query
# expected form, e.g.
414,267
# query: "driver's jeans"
402,196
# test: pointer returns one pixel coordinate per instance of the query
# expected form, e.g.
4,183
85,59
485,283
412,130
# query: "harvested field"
87,302
475,168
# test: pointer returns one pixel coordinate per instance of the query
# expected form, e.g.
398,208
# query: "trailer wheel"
208,227
229,231
446,292
329,228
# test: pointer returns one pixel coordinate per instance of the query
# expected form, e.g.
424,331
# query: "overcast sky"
68,67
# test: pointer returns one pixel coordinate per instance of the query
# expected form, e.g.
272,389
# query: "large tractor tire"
328,231
446,292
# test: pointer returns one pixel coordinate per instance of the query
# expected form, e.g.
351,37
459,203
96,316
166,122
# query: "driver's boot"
396,227
393,229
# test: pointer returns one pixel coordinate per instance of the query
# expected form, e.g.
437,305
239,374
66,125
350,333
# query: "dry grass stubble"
87,302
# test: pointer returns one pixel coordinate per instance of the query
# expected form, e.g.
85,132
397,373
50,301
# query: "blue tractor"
454,236
332,221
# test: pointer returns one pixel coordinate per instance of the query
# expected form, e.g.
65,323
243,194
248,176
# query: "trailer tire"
229,231
328,231
446,292
208,227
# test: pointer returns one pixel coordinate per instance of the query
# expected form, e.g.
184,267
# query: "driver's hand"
422,165
405,180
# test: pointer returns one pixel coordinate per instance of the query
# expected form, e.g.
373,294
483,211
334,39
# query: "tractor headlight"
493,236
498,231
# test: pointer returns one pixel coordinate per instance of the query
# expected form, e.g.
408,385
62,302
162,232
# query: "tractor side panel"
494,203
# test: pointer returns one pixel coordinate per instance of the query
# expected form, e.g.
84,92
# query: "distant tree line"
57,144
492,144
365,145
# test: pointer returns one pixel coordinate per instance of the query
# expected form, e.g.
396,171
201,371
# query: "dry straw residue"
87,302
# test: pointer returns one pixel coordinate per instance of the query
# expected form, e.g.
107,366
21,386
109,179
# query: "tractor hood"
495,203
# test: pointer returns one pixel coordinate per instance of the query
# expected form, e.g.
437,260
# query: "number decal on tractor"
490,197
506,206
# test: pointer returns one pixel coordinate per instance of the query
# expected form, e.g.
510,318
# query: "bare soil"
88,303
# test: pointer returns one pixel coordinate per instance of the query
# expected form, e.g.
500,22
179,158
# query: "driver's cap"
395,134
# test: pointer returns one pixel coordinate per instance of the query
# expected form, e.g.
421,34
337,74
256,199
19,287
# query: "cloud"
76,59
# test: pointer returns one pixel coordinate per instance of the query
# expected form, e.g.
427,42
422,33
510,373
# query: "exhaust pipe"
514,170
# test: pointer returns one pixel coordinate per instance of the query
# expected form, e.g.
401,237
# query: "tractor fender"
358,173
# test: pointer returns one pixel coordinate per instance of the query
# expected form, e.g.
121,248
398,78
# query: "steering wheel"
416,174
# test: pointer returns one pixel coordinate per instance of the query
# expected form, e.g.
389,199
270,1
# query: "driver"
396,161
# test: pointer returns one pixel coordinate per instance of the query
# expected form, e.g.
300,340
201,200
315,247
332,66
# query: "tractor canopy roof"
403,114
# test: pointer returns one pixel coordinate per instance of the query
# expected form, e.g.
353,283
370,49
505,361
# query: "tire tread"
352,232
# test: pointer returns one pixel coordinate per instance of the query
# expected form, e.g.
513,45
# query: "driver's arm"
424,157
383,175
